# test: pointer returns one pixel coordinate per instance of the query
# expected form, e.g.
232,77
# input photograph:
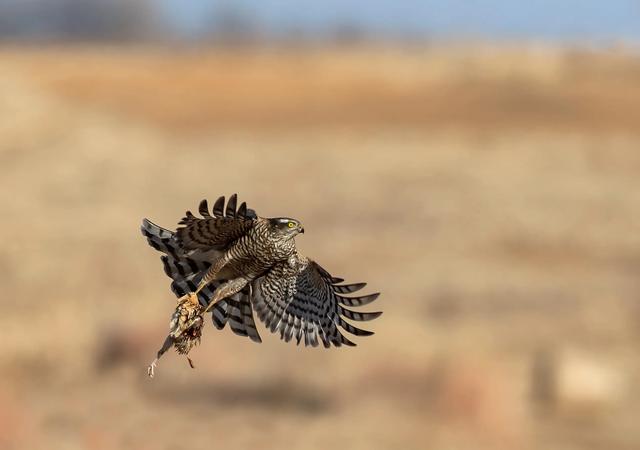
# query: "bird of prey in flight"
230,262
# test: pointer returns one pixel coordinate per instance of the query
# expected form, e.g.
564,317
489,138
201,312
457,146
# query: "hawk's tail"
186,269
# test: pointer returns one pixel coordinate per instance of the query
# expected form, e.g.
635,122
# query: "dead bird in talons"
185,331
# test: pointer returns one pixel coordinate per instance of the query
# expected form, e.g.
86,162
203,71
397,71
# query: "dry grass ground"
486,87
492,195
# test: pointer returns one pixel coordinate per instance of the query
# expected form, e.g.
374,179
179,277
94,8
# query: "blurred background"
476,162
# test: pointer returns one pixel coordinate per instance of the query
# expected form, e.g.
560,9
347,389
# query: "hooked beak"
301,229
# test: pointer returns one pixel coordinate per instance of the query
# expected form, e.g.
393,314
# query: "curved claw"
192,297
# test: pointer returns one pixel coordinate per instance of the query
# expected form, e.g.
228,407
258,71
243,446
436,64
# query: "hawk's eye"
291,224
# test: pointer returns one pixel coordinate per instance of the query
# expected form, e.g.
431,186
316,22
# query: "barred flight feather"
359,316
231,206
358,301
203,208
218,207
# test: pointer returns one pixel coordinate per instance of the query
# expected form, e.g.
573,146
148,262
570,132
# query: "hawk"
231,262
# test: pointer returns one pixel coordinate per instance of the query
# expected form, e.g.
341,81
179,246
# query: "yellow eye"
291,224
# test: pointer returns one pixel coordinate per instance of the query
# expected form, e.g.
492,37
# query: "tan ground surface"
492,195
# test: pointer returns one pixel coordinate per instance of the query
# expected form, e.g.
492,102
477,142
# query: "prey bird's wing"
215,232
303,301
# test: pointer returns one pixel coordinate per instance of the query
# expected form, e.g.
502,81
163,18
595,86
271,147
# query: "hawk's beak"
301,229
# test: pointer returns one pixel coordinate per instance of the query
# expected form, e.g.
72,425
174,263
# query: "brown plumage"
233,262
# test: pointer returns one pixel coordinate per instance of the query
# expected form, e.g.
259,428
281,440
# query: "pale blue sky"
533,19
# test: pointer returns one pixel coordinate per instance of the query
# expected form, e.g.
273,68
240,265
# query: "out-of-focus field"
483,87
491,194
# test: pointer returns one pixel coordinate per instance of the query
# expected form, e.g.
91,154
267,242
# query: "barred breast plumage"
258,250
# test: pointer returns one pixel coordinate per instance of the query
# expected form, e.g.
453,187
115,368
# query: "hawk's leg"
168,342
223,291
208,277
226,290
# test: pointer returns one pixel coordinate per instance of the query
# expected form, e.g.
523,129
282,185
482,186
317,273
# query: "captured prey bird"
233,263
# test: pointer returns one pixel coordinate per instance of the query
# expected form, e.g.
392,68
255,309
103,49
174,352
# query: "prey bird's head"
286,227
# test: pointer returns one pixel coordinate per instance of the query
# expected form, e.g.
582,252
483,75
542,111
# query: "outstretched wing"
186,267
218,231
305,301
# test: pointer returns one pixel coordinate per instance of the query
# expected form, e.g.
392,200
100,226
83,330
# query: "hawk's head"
286,226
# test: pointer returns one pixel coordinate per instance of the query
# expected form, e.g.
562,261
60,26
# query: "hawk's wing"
186,267
215,232
305,301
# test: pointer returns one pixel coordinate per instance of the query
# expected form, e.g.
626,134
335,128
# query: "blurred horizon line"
284,23
630,46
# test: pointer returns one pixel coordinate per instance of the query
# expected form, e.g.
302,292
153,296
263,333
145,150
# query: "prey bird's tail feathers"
186,269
